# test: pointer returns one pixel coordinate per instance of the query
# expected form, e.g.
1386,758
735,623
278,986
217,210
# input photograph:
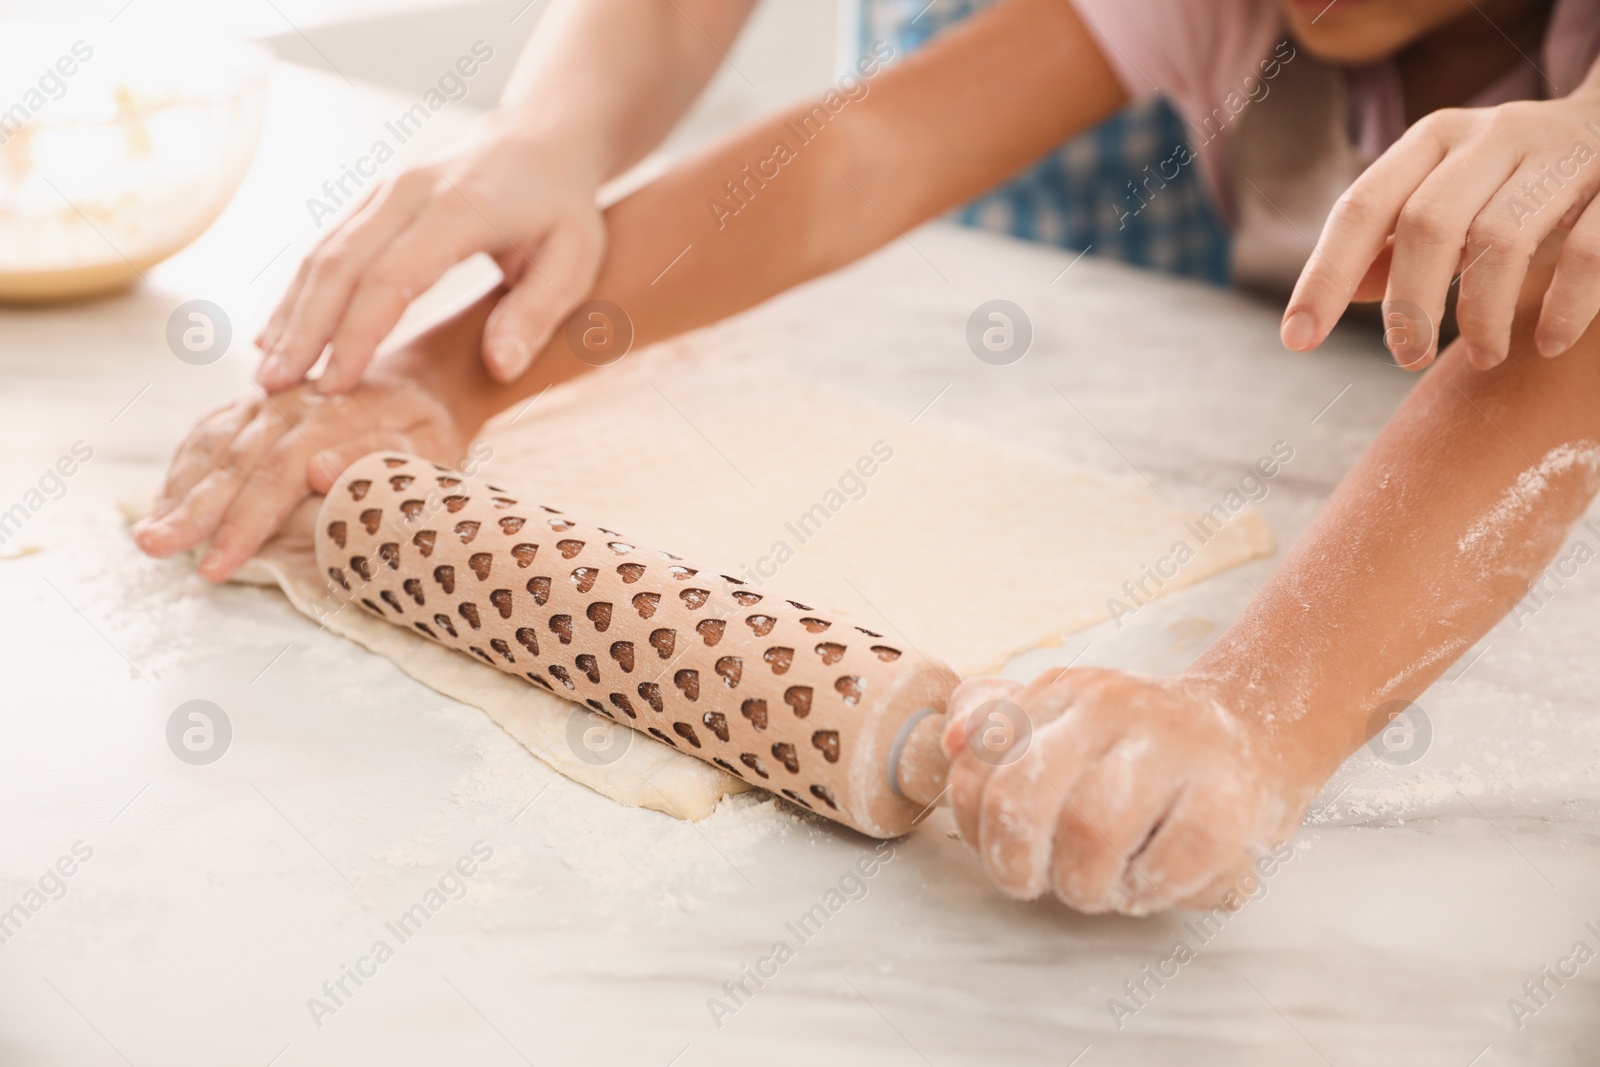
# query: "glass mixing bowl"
117,149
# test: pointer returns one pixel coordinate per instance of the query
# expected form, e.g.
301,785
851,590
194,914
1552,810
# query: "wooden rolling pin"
831,715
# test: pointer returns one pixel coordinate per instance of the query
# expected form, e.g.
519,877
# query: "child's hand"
243,469
1474,191
1117,792
523,203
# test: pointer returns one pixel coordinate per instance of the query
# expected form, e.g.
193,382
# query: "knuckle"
215,436
1446,122
1509,119
281,470
415,180
277,480
439,184
235,457
1359,206
1494,235
332,262
1425,221
452,197
470,187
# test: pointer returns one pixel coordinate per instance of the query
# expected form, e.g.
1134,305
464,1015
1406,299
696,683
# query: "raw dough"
648,774
966,550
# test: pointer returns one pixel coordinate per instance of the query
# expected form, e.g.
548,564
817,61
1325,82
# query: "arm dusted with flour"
1137,794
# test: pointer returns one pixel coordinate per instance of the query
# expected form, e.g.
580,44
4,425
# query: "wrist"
532,130
446,361
1304,725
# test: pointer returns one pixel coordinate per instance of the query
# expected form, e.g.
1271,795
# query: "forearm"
826,182
915,140
1434,535
608,79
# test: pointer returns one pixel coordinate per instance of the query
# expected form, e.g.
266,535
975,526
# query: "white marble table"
217,899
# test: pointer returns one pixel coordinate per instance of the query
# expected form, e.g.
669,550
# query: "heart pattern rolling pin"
831,715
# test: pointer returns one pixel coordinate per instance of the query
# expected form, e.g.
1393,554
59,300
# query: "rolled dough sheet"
967,550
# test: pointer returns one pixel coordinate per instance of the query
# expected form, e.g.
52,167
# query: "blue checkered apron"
1084,194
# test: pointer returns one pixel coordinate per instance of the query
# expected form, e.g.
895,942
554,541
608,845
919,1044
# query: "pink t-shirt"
1199,52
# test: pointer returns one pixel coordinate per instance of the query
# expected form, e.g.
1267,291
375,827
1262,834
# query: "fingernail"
1549,346
1483,358
1299,331
1405,356
210,564
511,356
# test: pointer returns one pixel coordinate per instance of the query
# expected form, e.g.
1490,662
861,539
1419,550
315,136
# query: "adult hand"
517,198
1472,191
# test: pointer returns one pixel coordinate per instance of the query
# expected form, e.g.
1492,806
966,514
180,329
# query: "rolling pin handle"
917,765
